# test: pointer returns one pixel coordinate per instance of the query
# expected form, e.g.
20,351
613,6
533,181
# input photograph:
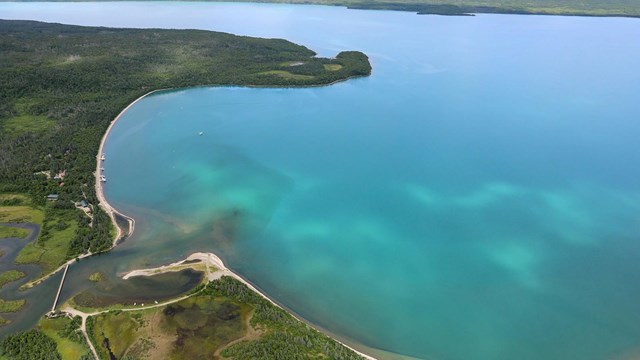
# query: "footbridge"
55,301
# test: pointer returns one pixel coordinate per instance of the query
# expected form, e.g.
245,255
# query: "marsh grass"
13,232
9,276
7,306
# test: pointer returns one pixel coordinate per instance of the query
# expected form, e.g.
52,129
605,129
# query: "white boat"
103,156
103,178
200,133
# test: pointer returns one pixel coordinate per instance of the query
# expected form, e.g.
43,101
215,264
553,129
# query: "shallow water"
39,299
475,198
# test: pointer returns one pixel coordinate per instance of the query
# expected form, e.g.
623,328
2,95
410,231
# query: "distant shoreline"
437,7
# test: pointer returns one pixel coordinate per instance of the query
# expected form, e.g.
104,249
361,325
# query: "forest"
284,336
29,345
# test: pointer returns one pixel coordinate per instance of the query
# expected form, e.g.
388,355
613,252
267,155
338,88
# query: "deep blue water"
477,197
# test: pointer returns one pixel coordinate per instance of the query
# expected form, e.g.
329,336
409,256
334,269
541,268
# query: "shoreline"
214,259
102,201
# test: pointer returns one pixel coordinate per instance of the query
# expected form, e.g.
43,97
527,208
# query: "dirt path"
83,328
251,334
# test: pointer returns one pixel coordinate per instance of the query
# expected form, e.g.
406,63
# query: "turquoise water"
477,197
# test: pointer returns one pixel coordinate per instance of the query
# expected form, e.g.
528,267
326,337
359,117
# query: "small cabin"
53,197
61,175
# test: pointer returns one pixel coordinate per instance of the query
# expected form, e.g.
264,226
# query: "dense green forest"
60,86
620,8
29,345
54,339
284,336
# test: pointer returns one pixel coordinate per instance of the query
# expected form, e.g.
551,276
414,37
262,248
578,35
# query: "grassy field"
70,342
9,276
52,252
13,199
11,305
26,123
18,208
332,67
12,232
286,75
21,214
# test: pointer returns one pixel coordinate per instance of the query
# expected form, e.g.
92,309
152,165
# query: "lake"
477,197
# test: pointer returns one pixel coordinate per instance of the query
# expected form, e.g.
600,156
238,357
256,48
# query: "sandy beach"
102,201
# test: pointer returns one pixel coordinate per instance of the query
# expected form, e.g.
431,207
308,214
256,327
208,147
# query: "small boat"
103,178
102,169
200,133
103,156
